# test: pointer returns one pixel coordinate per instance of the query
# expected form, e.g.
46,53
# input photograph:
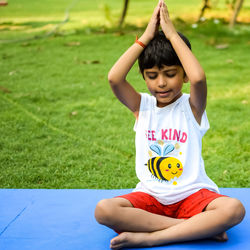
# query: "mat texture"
34,219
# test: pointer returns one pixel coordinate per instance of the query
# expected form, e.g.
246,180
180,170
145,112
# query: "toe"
117,242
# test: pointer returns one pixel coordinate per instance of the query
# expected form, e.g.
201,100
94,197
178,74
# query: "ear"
185,79
142,73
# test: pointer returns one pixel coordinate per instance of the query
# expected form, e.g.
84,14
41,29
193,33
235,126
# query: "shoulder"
203,126
185,97
147,101
147,104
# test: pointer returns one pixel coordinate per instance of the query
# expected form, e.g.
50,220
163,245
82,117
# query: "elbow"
200,82
113,79
199,79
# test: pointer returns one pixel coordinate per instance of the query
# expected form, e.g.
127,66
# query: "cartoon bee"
163,167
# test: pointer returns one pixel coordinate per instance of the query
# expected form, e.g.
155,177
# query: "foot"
128,239
221,237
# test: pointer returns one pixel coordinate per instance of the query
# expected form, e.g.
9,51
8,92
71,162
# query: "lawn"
61,126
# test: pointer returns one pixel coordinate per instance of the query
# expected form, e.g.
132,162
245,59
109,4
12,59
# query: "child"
174,201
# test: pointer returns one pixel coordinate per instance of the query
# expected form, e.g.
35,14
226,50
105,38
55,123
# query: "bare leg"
120,215
220,215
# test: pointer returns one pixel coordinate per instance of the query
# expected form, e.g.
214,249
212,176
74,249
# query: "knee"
103,211
235,211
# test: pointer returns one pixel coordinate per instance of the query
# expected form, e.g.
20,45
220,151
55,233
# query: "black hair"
160,52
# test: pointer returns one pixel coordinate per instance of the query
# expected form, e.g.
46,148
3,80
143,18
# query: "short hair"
160,52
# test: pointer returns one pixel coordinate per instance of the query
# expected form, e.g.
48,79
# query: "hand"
166,24
153,25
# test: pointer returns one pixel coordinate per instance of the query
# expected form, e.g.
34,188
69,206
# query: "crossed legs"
141,228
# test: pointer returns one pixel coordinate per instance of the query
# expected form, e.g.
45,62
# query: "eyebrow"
169,70
151,71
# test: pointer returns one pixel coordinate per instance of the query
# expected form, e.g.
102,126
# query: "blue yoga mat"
48,219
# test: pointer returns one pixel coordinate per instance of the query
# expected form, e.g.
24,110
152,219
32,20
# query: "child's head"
160,52
162,70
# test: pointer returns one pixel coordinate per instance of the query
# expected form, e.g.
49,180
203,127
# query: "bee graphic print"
163,167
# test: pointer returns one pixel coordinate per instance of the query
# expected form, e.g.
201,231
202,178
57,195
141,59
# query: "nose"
161,81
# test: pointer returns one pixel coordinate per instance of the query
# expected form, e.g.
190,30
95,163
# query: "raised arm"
192,67
118,73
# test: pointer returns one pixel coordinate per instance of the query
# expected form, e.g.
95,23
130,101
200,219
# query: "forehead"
163,68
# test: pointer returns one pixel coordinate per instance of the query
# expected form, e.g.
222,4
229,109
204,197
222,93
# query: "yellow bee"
163,167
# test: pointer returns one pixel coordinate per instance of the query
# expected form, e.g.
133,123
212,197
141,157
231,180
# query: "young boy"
174,201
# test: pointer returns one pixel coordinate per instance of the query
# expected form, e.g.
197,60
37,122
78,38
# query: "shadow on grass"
210,30
31,24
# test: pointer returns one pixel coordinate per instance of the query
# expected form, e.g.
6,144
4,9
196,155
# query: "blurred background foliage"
42,15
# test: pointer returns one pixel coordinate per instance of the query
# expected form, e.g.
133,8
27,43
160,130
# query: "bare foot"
128,239
131,239
221,237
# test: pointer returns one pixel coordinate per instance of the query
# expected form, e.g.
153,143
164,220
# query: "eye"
169,165
152,76
178,165
170,75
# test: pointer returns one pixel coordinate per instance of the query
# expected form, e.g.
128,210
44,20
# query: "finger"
157,9
163,16
164,10
165,7
156,12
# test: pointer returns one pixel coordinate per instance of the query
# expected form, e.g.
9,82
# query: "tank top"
169,163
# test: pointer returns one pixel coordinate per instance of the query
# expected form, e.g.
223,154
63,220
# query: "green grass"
61,126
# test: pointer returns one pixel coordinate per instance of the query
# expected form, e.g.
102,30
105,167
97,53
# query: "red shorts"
192,205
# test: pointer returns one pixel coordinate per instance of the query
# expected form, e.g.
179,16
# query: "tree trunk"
237,8
206,5
124,12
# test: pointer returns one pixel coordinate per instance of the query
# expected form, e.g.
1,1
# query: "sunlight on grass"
105,12
234,93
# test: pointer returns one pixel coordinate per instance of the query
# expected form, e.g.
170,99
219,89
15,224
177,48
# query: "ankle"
150,239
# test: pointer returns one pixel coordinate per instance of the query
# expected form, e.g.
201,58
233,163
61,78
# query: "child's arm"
117,75
193,69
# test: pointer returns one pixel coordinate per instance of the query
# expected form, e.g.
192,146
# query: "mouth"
163,93
174,173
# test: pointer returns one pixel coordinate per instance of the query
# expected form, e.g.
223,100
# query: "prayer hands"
159,18
165,21
153,25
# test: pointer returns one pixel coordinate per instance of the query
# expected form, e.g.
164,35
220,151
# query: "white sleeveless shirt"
169,164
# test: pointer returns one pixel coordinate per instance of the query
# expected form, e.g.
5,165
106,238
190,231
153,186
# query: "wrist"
173,36
140,43
144,39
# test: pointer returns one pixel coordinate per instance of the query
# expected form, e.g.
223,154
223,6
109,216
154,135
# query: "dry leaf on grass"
4,90
72,44
222,46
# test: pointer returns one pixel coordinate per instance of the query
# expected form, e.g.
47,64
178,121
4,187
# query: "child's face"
165,83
